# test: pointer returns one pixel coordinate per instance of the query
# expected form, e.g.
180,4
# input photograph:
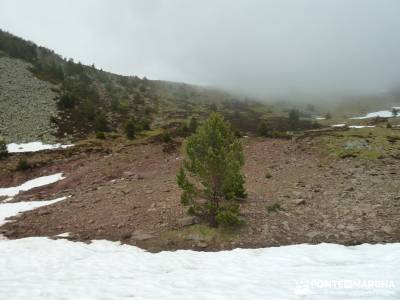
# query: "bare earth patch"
128,193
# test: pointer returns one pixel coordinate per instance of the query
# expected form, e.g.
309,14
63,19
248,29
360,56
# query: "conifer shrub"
211,176
23,165
3,149
130,129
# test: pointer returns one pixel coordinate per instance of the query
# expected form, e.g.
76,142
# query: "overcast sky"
280,48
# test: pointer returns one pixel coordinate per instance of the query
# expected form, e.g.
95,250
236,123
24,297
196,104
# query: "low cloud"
282,49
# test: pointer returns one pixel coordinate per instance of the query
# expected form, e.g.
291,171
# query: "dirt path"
128,193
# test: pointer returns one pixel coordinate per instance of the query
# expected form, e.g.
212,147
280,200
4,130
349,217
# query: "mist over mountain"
304,49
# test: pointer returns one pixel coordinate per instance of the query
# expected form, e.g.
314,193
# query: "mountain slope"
90,100
27,103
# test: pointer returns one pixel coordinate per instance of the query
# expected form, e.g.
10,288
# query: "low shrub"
100,122
3,149
100,135
130,130
262,129
274,207
228,218
22,165
166,137
279,135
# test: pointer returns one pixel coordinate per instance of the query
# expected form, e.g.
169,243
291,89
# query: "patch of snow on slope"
12,209
38,268
37,182
339,125
382,114
361,126
33,147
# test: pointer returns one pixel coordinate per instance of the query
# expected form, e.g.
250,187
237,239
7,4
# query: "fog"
281,49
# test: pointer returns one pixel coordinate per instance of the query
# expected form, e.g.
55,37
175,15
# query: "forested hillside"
91,100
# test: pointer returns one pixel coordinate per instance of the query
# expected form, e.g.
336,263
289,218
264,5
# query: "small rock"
129,173
351,228
286,225
296,193
126,236
299,201
387,229
202,245
378,239
139,236
138,177
313,234
194,237
187,221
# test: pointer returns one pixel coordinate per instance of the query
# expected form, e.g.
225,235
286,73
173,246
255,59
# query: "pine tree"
262,129
212,172
130,130
100,122
193,125
294,118
3,149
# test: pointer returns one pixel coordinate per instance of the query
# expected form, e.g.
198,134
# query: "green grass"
150,133
374,143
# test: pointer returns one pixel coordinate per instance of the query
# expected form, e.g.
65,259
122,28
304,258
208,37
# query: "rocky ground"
26,104
127,192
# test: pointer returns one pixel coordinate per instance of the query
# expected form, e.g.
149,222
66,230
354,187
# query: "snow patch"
37,268
382,114
34,147
320,118
12,209
360,126
37,182
339,125
63,235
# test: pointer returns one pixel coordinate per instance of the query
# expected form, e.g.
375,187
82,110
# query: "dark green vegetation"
212,172
130,129
279,126
3,149
274,207
22,165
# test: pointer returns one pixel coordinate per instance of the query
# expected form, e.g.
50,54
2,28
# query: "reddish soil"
128,193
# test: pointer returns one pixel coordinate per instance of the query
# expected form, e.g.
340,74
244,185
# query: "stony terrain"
127,192
26,104
328,185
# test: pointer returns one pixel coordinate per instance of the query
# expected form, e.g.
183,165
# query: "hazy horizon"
281,49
